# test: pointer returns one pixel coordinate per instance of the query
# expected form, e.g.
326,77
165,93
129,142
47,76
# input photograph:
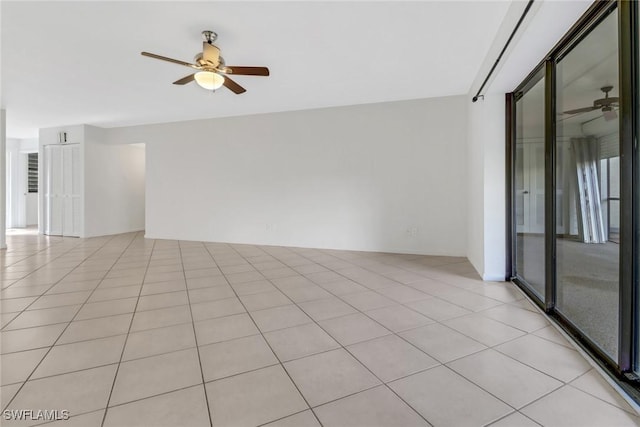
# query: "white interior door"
71,190
52,190
62,198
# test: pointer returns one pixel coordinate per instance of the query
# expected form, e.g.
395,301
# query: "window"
32,172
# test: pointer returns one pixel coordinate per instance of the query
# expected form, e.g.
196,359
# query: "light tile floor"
124,331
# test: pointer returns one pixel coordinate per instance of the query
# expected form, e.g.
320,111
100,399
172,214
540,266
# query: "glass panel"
587,183
529,186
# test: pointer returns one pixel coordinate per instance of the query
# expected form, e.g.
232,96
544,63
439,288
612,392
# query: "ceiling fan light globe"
209,80
609,114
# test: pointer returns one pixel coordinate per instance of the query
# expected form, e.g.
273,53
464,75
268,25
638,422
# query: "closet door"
53,190
62,198
71,190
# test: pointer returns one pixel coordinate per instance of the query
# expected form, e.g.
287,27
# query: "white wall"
475,191
13,212
112,181
114,185
487,182
3,181
381,177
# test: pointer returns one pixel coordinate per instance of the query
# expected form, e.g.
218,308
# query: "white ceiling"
79,62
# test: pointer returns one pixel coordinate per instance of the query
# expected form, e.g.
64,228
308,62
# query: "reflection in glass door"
529,186
587,184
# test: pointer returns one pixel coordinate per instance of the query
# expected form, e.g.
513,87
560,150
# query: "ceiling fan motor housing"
606,101
209,36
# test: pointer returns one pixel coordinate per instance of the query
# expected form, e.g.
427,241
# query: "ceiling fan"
212,73
605,105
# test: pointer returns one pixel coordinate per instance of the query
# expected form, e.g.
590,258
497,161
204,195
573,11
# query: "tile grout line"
381,382
209,344
195,336
56,282
441,363
124,346
72,270
285,417
299,274
131,401
508,415
434,278
396,334
77,245
41,266
265,340
447,326
340,344
364,267
384,296
436,321
59,336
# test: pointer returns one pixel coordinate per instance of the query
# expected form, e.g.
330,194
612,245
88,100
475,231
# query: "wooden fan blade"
233,86
581,110
247,71
164,58
211,53
185,80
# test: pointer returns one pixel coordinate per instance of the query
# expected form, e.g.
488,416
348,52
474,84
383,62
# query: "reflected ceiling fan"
606,105
212,73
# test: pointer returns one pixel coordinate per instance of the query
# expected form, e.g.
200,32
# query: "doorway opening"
23,186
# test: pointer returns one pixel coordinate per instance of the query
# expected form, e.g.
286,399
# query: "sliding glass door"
574,185
529,196
587,184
